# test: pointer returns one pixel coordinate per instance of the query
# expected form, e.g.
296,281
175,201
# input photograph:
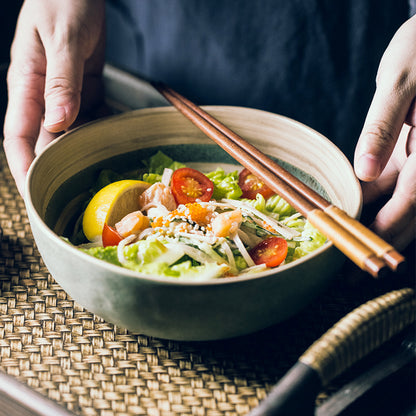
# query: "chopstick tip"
376,267
395,261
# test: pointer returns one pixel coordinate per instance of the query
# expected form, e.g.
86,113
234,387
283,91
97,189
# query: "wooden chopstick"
380,247
361,245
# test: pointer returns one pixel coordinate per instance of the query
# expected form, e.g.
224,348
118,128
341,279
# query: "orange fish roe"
160,222
197,213
194,212
268,227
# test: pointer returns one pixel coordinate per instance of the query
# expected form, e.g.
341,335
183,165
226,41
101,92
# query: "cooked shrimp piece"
156,195
132,223
227,223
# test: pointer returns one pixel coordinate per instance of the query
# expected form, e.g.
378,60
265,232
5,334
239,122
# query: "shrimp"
227,223
132,223
155,196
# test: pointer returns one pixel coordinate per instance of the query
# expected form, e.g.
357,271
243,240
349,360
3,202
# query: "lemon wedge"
110,204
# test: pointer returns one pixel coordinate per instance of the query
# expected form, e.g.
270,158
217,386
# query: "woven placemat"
92,367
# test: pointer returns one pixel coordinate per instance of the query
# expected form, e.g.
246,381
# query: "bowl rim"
33,213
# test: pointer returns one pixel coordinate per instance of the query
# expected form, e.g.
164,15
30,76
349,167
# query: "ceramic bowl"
61,176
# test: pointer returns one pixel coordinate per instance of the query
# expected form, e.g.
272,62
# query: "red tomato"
110,236
188,185
271,251
251,185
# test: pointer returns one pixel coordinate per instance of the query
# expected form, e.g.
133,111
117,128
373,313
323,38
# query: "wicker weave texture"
92,367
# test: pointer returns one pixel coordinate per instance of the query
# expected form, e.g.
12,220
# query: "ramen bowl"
61,177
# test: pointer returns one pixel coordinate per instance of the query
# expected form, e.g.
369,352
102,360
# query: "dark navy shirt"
311,60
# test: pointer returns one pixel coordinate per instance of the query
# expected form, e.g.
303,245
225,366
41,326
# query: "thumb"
396,81
380,132
63,86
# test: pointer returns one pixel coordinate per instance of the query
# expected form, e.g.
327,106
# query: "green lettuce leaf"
159,161
225,184
154,259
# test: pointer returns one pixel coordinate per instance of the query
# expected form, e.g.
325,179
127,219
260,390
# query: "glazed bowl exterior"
63,173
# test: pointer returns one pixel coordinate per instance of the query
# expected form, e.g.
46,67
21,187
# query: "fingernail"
367,167
54,116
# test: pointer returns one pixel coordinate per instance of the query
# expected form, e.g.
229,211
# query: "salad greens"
202,240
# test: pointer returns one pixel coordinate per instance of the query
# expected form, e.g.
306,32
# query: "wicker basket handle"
360,332
350,339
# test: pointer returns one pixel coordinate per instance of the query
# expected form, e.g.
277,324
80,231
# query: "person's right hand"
57,57
385,156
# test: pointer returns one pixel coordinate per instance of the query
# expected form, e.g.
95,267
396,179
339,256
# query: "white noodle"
230,256
196,254
210,239
249,239
167,174
146,232
120,254
243,251
292,217
257,268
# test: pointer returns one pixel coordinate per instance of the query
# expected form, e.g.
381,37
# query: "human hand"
57,57
385,156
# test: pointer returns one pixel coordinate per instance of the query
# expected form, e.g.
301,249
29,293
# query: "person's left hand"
385,156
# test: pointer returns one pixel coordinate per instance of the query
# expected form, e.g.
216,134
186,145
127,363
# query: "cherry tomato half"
271,251
251,185
188,185
110,236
